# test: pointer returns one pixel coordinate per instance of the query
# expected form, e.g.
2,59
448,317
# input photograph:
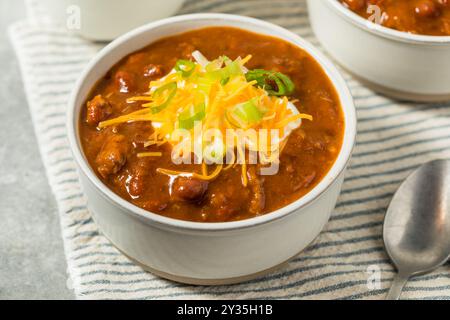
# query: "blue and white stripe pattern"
394,138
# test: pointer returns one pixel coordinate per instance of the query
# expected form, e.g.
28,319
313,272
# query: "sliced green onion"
215,64
204,84
275,83
289,85
232,68
224,81
247,113
186,67
172,88
188,117
216,75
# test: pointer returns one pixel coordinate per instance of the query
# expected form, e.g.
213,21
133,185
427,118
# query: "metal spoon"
416,229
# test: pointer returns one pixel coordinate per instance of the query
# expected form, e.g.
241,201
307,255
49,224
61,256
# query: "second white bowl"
398,64
105,20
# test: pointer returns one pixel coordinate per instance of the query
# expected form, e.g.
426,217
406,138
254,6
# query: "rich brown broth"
309,154
426,17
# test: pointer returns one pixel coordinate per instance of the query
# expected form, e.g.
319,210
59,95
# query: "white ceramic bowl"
105,20
399,64
207,253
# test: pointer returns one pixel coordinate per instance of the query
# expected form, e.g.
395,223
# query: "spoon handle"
397,286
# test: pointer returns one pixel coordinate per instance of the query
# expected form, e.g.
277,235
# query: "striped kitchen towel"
347,261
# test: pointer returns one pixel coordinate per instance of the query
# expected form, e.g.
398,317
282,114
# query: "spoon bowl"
416,229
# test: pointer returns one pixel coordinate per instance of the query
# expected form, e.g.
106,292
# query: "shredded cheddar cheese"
149,154
213,95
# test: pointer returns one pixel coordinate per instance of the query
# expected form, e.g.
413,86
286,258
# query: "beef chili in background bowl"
404,53
425,17
210,223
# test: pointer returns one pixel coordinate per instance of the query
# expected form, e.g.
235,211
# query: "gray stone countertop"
32,262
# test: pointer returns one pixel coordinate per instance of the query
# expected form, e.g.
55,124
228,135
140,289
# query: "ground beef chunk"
258,197
112,156
153,71
226,202
186,50
222,206
154,205
98,109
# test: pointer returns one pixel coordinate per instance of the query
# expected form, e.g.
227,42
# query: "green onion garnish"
224,81
186,67
188,117
275,83
247,113
172,88
231,68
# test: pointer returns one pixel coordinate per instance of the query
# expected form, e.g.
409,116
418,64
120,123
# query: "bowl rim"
243,22
383,31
